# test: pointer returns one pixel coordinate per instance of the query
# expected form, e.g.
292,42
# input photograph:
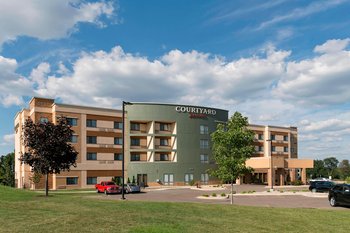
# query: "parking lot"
289,197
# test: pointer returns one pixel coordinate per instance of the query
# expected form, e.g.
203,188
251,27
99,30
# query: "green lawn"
26,211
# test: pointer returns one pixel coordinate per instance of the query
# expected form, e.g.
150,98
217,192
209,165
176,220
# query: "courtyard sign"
195,111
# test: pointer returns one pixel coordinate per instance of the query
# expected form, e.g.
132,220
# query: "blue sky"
278,62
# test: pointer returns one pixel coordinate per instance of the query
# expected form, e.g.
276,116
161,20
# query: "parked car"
339,195
132,188
321,186
107,187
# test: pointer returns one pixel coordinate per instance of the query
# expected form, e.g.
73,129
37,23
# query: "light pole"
123,148
271,164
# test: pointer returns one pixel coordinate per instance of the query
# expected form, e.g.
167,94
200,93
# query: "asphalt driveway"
289,197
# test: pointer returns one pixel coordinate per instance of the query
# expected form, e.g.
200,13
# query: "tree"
331,165
344,168
7,170
232,146
48,148
318,170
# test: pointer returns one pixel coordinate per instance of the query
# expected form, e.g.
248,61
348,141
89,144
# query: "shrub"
213,195
347,180
297,182
192,182
223,194
205,195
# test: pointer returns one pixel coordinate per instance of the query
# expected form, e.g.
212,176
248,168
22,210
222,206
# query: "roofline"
37,97
274,126
86,107
173,104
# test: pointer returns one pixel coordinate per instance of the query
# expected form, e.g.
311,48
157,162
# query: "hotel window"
91,156
164,157
74,139
204,178
91,123
285,149
91,140
118,141
273,148
135,141
292,150
260,136
204,144
164,127
135,157
72,180
91,180
188,178
273,137
44,120
203,129
118,156
204,159
285,138
118,125
261,148
135,126
164,142
72,121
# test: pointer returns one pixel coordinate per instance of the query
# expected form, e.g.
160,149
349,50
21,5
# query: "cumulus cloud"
332,46
13,86
192,77
49,19
322,80
8,139
328,125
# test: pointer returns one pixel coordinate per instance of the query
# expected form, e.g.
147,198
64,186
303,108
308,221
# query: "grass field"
26,211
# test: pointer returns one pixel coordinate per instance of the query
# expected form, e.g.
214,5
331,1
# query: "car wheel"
313,190
106,192
333,202
97,191
126,191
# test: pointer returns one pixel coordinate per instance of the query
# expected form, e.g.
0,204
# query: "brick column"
303,175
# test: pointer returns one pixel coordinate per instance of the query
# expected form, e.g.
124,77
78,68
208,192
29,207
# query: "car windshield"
109,183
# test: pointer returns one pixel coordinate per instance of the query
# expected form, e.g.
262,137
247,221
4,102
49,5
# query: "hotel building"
165,144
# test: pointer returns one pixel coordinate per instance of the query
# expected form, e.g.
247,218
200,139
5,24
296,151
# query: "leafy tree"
232,146
48,148
7,170
318,170
331,165
344,168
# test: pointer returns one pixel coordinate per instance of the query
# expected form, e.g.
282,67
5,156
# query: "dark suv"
321,186
339,195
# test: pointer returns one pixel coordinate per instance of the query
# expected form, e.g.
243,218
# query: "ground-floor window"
204,178
91,180
72,180
169,179
188,178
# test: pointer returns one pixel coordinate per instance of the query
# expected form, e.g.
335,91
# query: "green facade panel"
188,120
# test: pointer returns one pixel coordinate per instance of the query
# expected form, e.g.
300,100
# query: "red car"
107,187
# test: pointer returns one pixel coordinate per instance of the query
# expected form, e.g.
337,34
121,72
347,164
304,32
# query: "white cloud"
327,125
39,74
8,140
191,77
48,19
332,46
322,80
13,86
